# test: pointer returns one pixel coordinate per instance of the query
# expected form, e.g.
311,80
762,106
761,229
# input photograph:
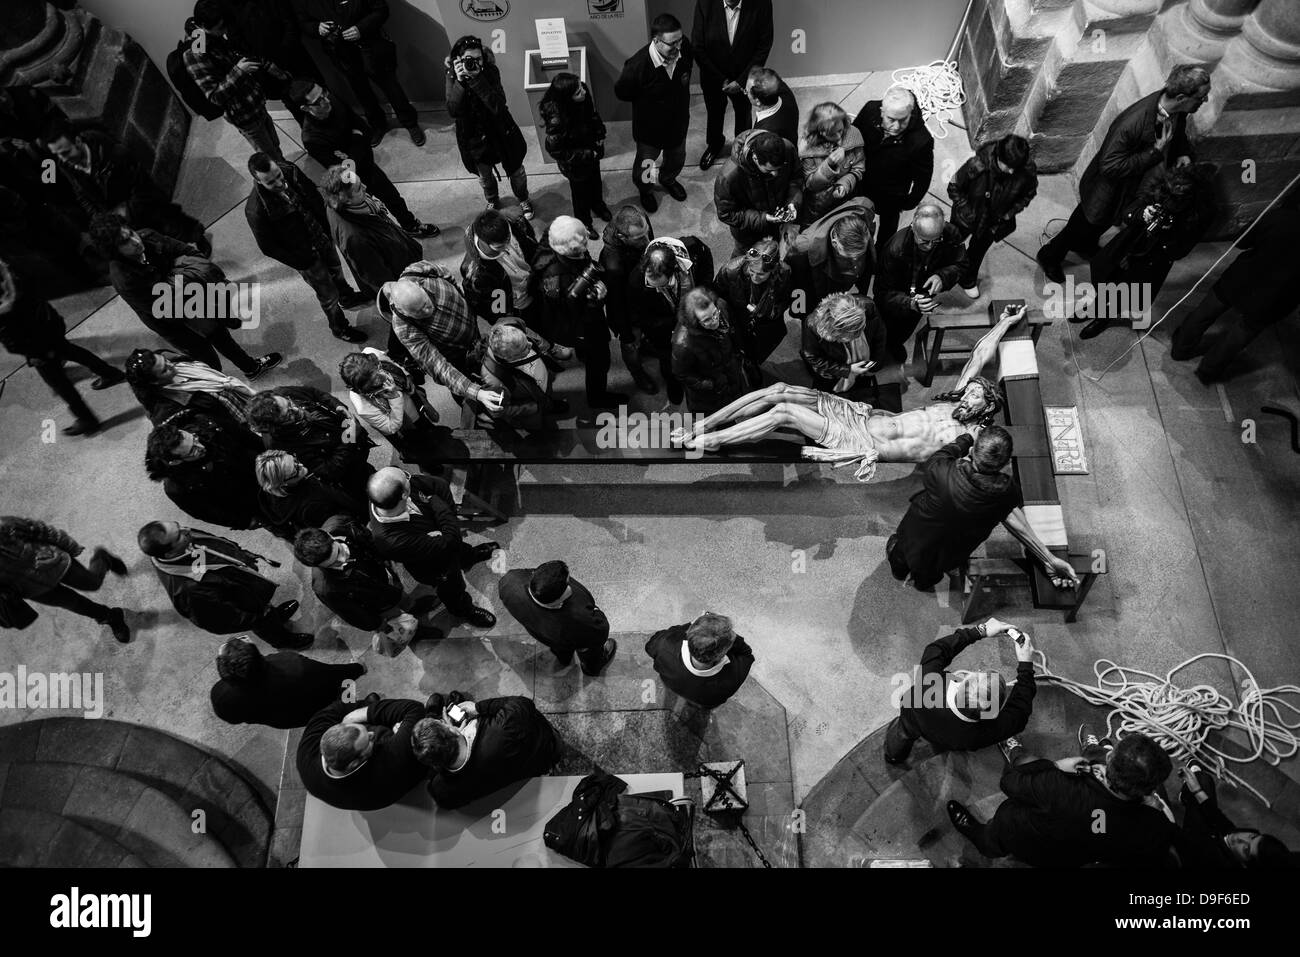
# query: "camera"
471,65
582,285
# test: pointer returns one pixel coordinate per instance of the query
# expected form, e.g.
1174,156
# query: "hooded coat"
984,199
708,363
575,136
485,131
743,194
811,259
821,179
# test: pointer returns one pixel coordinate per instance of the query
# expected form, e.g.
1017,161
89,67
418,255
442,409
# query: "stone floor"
1197,525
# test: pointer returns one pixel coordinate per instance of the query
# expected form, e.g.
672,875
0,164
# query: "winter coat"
224,600
897,171
902,265
567,320
327,441
618,261
526,401
385,777
770,301
367,588
708,362
985,200
811,260
575,136
375,248
278,228
743,194
1142,252
661,105
168,258
513,741
484,281
427,544
665,651
34,556
221,488
308,503
486,133
32,327
821,180
828,362
650,310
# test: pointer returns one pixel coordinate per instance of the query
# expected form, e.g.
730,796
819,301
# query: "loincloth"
846,438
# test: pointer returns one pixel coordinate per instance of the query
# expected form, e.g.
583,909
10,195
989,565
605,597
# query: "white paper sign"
552,39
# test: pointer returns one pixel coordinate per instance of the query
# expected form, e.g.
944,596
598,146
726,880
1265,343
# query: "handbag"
396,636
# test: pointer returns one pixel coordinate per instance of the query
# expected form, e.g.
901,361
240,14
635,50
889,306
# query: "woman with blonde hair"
844,341
832,158
290,499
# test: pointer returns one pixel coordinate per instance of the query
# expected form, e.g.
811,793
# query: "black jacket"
32,327
661,105
984,199
1143,252
812,260
954,512
513,742
428,544
926,704
220,488
287,690
665,650
566,320
327,440
484,281
898,171
1261,281
134,281
307,504
485,130
618,260
828,362
577,625
340,132
368,16
389,773
280,229
785,121
903,265
770,301
366,587
708,362
743,194
115,178
575,136
1050,820
722,59
224,600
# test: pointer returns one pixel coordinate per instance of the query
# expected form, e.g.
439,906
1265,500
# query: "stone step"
192,777
34,838
117,806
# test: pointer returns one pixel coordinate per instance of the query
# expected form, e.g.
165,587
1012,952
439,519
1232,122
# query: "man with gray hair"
899,156
514,367
916,264
1149,134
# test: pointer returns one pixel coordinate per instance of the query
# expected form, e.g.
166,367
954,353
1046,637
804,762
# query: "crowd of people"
813,204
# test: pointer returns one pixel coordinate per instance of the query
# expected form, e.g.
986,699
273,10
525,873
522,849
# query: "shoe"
1052,270
479,553
1178,355
83,427
602,212
563,661
1093,329
1087,737
1009,746
286,610
421,230
115,564
417,135
676,190
266,364
898,352
108,381
204,245
649,202
377,132
1207,378
890,544
559,406
116,622
348,334
708,158
643,381
297,640
972,291
962,819
610,400
611,647
592,235
526,208
478,617
354,298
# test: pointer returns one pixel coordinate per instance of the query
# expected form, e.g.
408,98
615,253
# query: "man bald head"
387,488
406,296
928,222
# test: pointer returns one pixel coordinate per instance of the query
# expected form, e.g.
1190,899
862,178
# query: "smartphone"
1017,636
456,714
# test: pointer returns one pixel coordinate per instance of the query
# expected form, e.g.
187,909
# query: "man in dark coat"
353,36
899,154
772,104
916,264
1070,813
359,758
623,242
486,133
965,495
559,612
477,747
413,522
760,188
317,429
214,584
333,134
282,690
834,253
988,192
286,216
656,80
513,367
496,273
206,467
963,711
707,360
1256,291
703,661
1149,134
30,327
348,575
729,38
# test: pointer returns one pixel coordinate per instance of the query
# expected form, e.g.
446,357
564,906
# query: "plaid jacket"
236,92
451,328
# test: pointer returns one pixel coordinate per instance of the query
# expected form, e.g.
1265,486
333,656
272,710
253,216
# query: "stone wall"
1058,72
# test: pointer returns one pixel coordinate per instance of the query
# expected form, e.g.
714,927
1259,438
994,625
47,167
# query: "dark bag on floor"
14,612
604,827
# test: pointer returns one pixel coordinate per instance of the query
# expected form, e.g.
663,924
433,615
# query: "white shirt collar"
762,114
951,694
552,605
470,731
707,672
657,59
405,516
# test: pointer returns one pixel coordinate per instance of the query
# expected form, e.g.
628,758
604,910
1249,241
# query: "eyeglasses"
674,45
756,256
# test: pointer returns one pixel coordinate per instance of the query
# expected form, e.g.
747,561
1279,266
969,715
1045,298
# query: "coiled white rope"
938,91
1181,719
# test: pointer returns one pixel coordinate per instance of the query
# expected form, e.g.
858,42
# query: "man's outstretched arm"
1061,571
987,347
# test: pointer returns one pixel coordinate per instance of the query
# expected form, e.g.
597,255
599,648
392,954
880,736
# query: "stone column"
1127,8
1267,53
1199,31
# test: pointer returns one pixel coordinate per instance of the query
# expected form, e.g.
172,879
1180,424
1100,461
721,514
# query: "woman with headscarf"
575,138
844,341
832,158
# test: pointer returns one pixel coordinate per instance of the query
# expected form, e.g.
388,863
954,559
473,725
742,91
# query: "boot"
632,359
